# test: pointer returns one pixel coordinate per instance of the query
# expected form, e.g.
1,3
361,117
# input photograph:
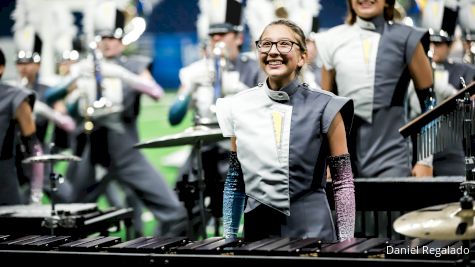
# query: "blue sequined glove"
234,197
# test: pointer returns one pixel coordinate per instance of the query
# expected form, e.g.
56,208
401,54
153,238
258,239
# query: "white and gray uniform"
10,99
282,147
114,150
246,74
371,63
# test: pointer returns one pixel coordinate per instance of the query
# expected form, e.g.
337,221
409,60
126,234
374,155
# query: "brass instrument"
205,94
219,62
101,106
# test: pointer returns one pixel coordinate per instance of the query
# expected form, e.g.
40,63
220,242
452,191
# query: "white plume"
202,22
259,13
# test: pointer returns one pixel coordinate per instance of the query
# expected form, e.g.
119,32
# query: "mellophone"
178,251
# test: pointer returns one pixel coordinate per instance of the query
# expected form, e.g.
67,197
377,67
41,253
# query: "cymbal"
190,136
51,157
441,222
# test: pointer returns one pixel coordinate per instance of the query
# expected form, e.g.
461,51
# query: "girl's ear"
302,60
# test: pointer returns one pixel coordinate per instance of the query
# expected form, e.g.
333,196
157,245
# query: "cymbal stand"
466,105
197,169
466,203
467,187
52,221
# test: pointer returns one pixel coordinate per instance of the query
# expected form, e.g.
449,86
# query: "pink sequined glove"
344,194
32,147
146,86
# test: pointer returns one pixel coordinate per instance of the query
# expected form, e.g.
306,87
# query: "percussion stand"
52,221
197,170
466,203
467,187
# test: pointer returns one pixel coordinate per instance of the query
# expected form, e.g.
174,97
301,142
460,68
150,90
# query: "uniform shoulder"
396,26
7,89
336,30
316,91
248,92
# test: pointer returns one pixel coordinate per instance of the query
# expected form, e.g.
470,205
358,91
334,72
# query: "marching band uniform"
111,142
282,148
382,50
29,45
218,19
10,100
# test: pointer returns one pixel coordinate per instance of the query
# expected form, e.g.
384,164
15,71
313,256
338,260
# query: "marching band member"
17,117
219,23
106,143
283,134
372,59
28,64
28,61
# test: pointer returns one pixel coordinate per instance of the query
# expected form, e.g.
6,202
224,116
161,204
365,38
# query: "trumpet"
220,65
101,106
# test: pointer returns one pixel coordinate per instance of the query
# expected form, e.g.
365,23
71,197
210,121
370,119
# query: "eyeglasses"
283,46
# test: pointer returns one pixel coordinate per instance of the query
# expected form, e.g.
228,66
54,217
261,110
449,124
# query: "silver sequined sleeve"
344,194
233,198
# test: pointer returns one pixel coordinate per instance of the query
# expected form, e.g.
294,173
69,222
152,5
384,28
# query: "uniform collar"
376,24
284,93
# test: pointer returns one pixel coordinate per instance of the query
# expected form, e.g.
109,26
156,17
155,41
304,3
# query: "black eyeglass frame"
276,46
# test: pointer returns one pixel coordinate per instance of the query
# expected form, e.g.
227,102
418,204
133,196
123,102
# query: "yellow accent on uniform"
277,120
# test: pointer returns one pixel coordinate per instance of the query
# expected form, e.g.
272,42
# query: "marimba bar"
176,251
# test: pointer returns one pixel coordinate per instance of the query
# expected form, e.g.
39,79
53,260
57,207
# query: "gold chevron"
277,120
366,50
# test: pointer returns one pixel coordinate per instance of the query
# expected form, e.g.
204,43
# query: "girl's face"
280,66
368,9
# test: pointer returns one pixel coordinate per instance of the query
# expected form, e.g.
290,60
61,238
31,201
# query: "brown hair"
388,11
296,29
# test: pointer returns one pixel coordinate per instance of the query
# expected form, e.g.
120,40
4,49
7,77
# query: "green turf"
152,123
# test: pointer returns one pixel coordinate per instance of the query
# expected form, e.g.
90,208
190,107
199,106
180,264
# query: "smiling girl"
282,136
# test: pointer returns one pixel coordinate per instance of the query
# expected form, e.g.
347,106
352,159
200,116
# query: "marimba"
176,251
75,219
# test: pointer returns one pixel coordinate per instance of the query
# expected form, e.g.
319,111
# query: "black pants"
262,222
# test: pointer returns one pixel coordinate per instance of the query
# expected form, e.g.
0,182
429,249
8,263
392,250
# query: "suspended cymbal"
441,222
190,136
51,157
